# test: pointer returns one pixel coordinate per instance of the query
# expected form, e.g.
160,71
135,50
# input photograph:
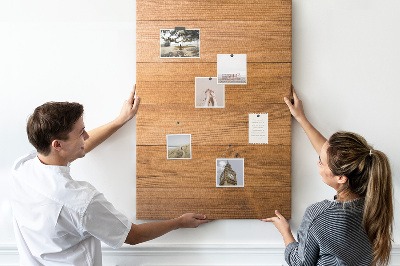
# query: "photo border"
218,79
216,171
190,139
195,94
179,56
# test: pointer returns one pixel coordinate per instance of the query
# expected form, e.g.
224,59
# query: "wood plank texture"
165,83
211,10
266,167
262,41
183,92
216,203
168,188
222,126
257,73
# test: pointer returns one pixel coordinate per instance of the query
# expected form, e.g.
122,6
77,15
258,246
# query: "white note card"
258,128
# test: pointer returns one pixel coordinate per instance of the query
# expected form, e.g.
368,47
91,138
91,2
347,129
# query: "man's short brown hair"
50,121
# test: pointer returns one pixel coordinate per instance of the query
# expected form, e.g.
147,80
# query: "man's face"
73,148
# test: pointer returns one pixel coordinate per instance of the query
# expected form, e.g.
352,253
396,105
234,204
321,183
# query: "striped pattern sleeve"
306,250
331,233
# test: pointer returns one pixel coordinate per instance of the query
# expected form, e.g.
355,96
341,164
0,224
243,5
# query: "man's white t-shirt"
58,220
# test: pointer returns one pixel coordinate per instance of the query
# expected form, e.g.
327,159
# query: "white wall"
345,68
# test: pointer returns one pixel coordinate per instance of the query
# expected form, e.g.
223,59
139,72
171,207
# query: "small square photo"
179,146
230,172
232,69
179,43
209,94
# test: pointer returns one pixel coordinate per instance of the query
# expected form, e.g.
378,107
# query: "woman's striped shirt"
331,233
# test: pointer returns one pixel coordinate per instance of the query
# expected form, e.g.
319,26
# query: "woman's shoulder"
333,207
318,208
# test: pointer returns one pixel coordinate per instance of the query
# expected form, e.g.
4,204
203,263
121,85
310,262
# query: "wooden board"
230,203
225,126
208,10
169,188
272,164
262,41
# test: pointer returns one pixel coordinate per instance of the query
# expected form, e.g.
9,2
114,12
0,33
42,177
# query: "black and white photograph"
179,146
179,43
232,69
209,94
230,172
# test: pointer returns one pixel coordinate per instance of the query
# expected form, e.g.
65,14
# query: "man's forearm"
100,134
147,231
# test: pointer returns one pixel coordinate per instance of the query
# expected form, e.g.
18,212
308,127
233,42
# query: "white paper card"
232,69
258,128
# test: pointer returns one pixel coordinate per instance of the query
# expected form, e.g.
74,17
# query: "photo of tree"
179,43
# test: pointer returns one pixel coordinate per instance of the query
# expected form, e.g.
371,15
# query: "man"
59,220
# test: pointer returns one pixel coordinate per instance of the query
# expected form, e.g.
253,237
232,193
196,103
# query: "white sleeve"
104,222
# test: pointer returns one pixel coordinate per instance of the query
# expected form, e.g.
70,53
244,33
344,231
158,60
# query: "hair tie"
370,152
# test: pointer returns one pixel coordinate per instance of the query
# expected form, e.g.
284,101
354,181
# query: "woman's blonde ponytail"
378,209
369,176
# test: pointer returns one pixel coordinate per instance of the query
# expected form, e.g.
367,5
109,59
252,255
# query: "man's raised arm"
100,134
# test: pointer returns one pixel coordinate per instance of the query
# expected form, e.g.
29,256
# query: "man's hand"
129,108
148,231
100,134
283,227
192,220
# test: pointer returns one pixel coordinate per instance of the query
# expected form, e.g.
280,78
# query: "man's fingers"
131,98
200,219
203,221
136,104
132,95
199,216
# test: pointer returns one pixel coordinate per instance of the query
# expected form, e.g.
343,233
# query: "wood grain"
257,73
164,83
211,10
216,203
262,41
268,166
210,126
168,188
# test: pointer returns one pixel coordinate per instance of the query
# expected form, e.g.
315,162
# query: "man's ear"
56,144
342,179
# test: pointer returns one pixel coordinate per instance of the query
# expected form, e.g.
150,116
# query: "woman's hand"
283,227
296,109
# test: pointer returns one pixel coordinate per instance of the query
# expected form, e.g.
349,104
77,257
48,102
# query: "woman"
211,99
356,227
